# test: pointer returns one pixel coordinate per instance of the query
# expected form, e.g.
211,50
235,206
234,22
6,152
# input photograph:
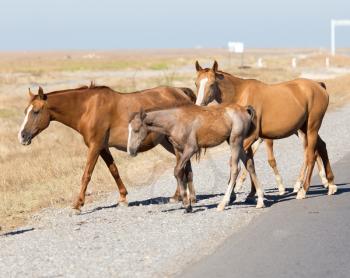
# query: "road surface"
309,238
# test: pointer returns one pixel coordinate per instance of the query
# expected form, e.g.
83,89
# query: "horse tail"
199,154
323,85
188,92
252,117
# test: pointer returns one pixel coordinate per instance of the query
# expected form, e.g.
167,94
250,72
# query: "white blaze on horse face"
129,139
200,95
24,123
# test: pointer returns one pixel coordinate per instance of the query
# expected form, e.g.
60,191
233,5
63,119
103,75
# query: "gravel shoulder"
152,238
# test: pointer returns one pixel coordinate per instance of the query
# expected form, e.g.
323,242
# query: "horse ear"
198,67
30,94
41,93
215,66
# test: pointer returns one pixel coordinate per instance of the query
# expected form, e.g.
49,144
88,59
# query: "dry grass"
48,172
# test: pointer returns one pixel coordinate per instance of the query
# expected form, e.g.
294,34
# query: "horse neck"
67,108
160,121
228,87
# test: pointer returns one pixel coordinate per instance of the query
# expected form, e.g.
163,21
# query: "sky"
130,24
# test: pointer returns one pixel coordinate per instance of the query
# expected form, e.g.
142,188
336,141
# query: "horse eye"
36,112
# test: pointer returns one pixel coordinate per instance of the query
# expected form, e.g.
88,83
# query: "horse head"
137,132
207,84
37,117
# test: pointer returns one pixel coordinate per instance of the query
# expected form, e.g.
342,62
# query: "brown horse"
282,109
101,116
190,128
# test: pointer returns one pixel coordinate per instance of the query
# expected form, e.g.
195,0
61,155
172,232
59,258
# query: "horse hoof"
188,209
123,204
260,205
220,207
193,200
301,194
332,189
75,211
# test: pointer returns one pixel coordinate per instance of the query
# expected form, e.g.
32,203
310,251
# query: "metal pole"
333,37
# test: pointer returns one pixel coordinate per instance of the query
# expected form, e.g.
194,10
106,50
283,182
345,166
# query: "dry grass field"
47,173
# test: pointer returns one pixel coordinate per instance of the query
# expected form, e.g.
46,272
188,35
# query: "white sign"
237,47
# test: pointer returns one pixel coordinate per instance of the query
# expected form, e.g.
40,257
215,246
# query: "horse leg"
189,180
322,150
272,162
179,175
244,173
248,142
236,147
188,172
248,160
321,170
92,157
108,159
311,137
301,177
177,195
321,173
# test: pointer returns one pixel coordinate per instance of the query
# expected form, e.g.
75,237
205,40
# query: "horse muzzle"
132,152
25,138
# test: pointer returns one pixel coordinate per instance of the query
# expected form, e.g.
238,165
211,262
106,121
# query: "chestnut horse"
101,116
190,128
282,109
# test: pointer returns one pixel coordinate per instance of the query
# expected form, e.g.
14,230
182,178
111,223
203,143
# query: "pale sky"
108,24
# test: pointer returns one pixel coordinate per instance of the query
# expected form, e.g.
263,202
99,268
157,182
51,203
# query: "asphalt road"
296,238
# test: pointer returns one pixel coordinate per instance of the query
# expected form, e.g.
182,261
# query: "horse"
191,128
282,110
101,116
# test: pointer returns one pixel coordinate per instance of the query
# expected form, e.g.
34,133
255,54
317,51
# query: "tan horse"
282,109
101,116
190,128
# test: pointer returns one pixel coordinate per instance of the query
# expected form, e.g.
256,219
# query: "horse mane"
84,87
94,86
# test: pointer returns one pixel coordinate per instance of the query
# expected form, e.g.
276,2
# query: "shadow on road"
17,232
271,197
154,201
313,192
